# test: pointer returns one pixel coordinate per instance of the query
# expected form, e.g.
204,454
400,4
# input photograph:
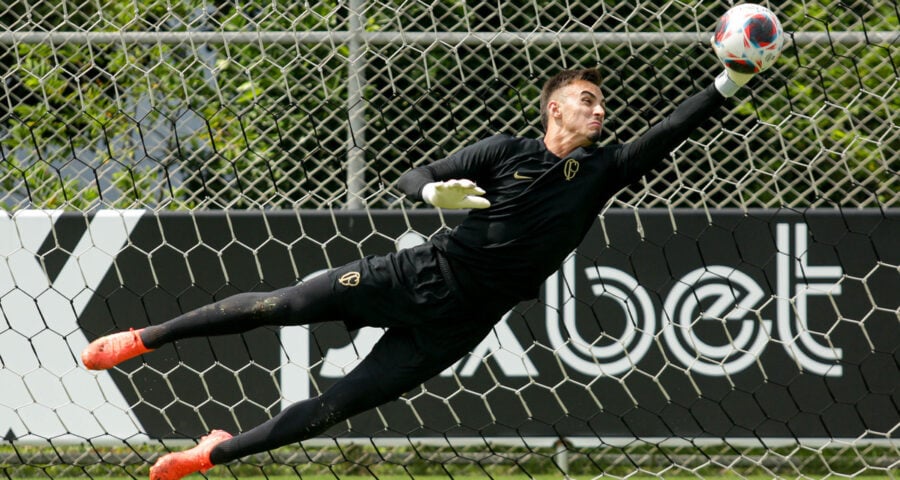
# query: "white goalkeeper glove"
455,194
729,82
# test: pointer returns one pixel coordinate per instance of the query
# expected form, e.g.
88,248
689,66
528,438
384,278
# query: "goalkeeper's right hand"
728,82
455,194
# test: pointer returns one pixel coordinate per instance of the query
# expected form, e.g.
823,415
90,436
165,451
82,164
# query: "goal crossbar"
422,38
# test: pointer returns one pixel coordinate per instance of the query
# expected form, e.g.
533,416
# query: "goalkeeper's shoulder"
504,146
492,150
500,142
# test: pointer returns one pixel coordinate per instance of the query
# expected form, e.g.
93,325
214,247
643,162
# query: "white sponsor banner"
47,393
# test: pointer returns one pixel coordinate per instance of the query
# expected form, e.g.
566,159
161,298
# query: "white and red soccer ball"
748,38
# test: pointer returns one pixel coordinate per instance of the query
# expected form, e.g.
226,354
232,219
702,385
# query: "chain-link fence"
268,105
276,104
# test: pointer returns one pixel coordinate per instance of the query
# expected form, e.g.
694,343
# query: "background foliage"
221,125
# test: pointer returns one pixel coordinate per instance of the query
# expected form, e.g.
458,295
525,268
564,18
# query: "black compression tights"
355,393
307,303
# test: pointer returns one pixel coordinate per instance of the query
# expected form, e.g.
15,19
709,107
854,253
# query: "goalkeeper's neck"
562,143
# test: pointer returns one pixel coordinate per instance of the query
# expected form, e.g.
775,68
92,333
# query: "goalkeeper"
532,201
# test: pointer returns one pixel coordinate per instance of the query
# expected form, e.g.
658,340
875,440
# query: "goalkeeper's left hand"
729,82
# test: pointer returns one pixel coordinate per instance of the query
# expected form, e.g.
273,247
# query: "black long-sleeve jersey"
542,206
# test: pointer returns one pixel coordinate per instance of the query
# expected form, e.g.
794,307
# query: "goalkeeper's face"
582,109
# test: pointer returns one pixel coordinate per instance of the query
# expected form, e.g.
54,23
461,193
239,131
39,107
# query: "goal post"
733,314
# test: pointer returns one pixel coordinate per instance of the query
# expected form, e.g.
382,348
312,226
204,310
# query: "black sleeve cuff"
412,182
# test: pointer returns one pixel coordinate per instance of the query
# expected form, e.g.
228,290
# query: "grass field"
506,477
422,462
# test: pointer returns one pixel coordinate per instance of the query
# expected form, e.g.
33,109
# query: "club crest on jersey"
349,279
570,169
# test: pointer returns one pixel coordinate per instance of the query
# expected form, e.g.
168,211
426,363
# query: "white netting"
168,105
258,142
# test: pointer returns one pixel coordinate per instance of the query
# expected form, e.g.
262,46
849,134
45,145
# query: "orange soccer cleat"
111,350
179,464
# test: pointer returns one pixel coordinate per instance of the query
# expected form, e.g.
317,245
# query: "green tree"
213,125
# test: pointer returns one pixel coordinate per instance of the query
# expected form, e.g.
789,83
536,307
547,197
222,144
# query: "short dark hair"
562,79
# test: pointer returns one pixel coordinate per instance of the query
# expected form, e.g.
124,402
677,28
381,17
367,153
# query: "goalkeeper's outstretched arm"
638,158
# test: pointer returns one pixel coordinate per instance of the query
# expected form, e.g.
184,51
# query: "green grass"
422,462
494,477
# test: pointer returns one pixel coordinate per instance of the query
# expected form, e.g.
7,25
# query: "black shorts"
403,289
429,324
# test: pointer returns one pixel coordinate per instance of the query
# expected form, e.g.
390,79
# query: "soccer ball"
748,38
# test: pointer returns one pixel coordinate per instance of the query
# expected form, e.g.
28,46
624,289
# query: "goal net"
735,313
